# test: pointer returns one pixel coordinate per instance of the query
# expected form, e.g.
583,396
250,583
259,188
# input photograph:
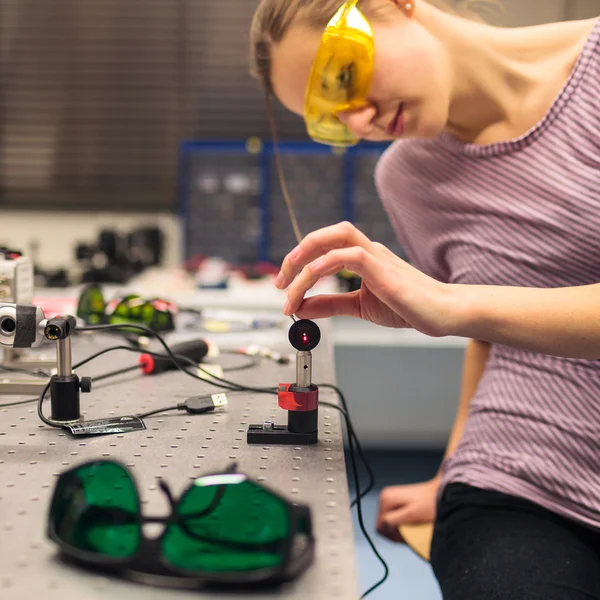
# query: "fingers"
389,523
316,244
357,259
394,518
391,498
329,305
394,501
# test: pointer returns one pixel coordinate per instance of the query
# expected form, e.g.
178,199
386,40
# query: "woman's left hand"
393,293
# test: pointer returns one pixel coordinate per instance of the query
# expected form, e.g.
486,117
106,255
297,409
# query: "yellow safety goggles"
340,76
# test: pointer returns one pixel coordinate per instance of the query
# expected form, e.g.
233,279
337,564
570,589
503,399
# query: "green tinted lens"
228,524
91,305
96,508
162,321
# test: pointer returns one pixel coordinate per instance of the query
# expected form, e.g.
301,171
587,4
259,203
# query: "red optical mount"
300,399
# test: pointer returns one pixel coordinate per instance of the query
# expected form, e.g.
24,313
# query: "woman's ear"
406,6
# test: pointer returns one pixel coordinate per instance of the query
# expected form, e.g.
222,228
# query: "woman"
493,190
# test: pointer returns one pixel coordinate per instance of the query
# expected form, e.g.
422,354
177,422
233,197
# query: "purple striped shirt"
519,213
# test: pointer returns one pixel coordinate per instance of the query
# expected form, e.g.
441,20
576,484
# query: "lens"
52,332
8,326
91,305
304,336
228,524
96,508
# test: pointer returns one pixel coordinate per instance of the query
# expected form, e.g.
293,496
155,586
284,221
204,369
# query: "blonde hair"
273,19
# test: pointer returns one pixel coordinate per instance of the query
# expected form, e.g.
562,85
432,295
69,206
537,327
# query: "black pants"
491,546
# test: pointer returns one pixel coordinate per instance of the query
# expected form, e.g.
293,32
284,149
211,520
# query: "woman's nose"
359,121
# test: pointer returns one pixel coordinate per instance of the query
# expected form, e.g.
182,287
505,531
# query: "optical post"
300,399
23,326
65,386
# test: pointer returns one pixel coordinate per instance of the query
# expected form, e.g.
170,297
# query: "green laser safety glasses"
130,309
224,529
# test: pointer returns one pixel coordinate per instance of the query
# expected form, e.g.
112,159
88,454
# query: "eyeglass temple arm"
303,518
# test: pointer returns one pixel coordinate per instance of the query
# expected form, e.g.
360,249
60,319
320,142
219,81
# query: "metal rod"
63,355
303,369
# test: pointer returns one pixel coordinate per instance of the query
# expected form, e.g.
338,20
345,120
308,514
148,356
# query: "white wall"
57,233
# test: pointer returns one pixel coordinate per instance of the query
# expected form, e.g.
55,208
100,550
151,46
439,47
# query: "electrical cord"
20,403
40,410
253,361
359,512
177,359
196,405
352,432
247,365
117,372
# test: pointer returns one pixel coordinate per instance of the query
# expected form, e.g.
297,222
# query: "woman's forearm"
561,321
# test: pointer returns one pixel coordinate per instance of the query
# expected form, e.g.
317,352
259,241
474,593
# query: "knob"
86,384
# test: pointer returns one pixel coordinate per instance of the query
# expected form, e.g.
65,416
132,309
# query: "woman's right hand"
406,505
393,293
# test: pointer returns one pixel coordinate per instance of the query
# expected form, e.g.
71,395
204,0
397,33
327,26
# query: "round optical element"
8,325
304,335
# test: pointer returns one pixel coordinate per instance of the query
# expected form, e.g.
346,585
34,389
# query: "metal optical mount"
300,399
65,386
25,326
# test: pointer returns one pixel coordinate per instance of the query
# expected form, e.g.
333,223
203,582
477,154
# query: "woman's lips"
396,127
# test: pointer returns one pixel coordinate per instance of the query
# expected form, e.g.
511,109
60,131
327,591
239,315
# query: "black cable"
41,412
20,403
155,412
249,364
115,373
359,512
352,432
177,359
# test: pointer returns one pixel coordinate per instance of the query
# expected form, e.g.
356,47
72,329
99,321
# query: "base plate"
280,435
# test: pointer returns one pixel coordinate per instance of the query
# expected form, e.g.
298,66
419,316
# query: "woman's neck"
504,80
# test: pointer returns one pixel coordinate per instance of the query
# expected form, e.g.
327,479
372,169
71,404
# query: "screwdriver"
195,350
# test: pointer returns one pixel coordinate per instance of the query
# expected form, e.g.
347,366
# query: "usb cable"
195,405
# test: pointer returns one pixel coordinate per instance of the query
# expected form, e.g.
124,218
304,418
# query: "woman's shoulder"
407,159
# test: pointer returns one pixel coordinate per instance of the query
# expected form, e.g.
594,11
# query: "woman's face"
409,94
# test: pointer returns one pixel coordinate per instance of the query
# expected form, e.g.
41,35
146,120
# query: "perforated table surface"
177,447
